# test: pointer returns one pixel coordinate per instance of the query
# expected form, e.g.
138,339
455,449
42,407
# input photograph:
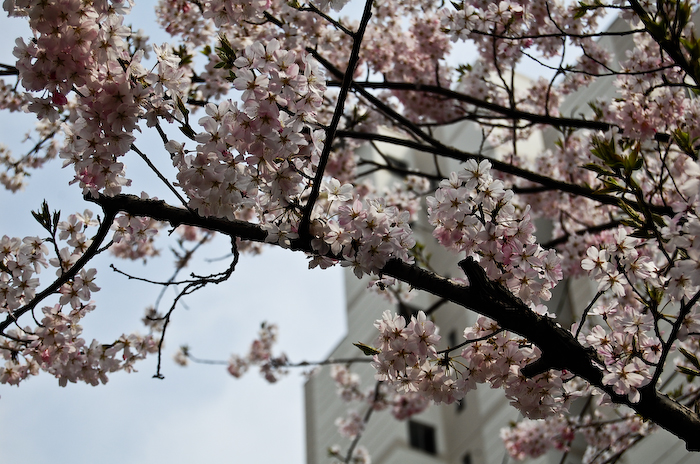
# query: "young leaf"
366,349
690,357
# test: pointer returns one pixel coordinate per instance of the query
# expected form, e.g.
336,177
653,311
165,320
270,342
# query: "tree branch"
507,113
333,126
90,253
560,350
505,168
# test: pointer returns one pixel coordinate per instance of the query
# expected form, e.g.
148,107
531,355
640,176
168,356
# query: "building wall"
473,430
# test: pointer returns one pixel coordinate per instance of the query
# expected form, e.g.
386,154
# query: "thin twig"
160,175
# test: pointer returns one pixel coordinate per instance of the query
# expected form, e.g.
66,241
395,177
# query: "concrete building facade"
468,432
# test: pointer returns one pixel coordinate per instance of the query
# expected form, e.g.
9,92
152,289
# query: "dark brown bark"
560,350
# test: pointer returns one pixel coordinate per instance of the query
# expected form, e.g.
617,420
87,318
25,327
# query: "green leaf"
676,393
581,10
184,110
366,349
633,161
638,164
631,212
56,218
596,109
183,54
597,168
609,188
187,130
659,220
47,220
690,357
610,185
688,372
685,143
639,233
225,52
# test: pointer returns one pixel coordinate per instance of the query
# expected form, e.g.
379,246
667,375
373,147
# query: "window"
422,437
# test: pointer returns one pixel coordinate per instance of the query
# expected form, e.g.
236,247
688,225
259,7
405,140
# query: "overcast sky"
196,414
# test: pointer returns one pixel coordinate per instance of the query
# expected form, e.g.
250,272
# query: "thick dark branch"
333,126
8,70
560,350
161,211
505,168
507,113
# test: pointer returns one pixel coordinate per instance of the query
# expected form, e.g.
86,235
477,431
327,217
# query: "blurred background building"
467,432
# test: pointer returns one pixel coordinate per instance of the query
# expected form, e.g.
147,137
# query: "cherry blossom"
288,124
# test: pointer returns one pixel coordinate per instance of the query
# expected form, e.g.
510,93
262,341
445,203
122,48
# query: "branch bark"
333,127
560,350
502,111
506,168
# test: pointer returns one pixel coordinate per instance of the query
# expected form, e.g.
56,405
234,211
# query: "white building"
468,432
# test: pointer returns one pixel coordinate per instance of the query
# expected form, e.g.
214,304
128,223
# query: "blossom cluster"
605,437
409,361
473,213
533,438
272,368
350,426
360,455
250,160
21,260
628,342
83,49
365,233
134,237
57,348
179,18
680,237
410,55
55,345
401,404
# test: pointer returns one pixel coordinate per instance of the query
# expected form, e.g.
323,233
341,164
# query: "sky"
196,414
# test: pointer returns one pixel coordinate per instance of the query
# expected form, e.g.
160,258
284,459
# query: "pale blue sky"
196,414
